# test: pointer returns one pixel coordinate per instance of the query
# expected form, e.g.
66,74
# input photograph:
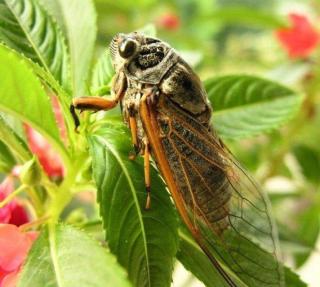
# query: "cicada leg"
134,133
97,103
147,173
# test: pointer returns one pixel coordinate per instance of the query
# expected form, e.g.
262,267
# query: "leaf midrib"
252,105
29,38
134,191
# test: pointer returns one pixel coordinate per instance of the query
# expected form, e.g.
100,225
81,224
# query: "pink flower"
13,212
14,246
48,157
169,21
300,39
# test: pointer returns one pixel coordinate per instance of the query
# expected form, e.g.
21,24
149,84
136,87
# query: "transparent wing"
226,205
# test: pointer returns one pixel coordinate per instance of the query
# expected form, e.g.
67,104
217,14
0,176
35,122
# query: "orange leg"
97,103
147,173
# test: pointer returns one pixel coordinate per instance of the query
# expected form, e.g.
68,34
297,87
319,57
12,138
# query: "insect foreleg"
90,103
119,86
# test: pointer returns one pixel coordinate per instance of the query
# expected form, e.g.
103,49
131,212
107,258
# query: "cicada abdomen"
166,107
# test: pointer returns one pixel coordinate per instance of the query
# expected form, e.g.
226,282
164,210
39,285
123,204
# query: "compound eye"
127,48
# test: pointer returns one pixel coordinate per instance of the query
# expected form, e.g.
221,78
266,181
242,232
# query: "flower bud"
31,172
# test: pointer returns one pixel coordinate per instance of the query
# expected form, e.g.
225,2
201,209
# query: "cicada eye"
127,48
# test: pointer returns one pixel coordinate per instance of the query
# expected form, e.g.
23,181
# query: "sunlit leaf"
79,24
244,106
26,27
22,95
68,257
102,75
144,241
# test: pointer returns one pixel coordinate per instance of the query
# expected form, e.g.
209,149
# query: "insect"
167,110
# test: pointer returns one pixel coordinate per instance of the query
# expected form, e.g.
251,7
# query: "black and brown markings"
167,110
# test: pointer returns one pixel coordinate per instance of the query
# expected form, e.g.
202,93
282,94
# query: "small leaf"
22,95
244,106
16,144
79,24
144,241
102,75
7,160
308,228
67,257
309,161
26,27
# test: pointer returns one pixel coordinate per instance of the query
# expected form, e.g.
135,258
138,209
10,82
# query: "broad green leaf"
308,228
7,160
102,75
309,161
194,260
144,241
26,27
244,106
22,95
68,257
244,16
78,21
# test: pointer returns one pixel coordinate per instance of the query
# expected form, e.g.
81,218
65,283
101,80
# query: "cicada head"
141,57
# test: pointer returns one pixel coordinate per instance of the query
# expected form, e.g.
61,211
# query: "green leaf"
293,279
194,260
244,16
309,161
102,75
244,106
144,241
68,257
22,95
79,23
7,160
308,228
16,144
26,27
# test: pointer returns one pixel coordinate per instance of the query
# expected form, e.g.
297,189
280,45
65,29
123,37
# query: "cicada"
166,107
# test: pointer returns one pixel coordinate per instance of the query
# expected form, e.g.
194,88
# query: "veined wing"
222,201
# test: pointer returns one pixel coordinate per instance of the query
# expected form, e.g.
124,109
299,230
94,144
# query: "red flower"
169,21
300,39
13,212
48,157
14,246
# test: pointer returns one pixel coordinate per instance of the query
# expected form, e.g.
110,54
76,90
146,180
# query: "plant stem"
12,195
